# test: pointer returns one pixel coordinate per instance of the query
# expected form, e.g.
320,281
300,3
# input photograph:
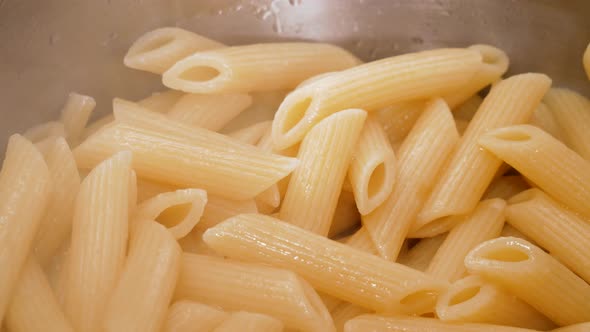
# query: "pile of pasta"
379,196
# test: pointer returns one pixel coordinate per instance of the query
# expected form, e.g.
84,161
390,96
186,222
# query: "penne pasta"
75,115
25,189
45,130
484,223
331,267
505,187
34,306
143,293
376,323
467,110
160,102
218,209
269,200
263,108
471,169
545,161
419,256
398,120
346,216
158,50
255,288
372,170
473,300
250,322
98,124
345,312
99,235
361,240
56,224
148,189
415,76
256,67
169,152
189,316
543,118
423,152
508,230
563,233
571,111
211,112
534,276
324,155
179,211
251,134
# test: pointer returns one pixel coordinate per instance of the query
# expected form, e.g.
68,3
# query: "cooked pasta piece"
582,327
56,223
331,267
376,323
45,130
346,216
344,312
33,306
179,210
143,293
471,169
474,300
99,242
586,61
250,322
563,233
149,189
419,256
572,114
484,223
545,161
398,120
211,112
468,109
372,170
256,288
372,86
324,155
158,50
461,126
161,101
420,159
263,108
495,64
508,230
534,276
96,125
75,115
505,187
170,152
251,134
256,67
189,316
25,189
361,240
269,200
543,118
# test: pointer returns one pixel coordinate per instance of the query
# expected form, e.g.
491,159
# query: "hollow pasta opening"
464,295
295,114
506,254
421,301
155,43
174,214
200,74
376,181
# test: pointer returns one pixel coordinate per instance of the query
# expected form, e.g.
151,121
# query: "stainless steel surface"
51,47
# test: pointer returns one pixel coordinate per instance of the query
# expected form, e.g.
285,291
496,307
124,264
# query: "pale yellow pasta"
461,126
33,306
250,322
509,230
420,158
398,120
251,134
474,300
44,130
324,156
505,187
534,276
545,161
57,272
148,189
467,110
75,115
331,267
99,242
143,293
419,256
571,111
495,64
189,316
211,112
25,189
269,200
376,323
563,233
437,227
346,215
372,86
544,118
193,243
484,223
263,108
582,327
256,288
373,167
56,223
172,153
361,240
586,61
471,169
218,209
161,101
158,50
256,67
178,210
98,124
344,312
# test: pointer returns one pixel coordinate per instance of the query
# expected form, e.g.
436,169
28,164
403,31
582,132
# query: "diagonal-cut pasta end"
525,196
507,138
495,61
501,254
423,299
198,73
293,119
